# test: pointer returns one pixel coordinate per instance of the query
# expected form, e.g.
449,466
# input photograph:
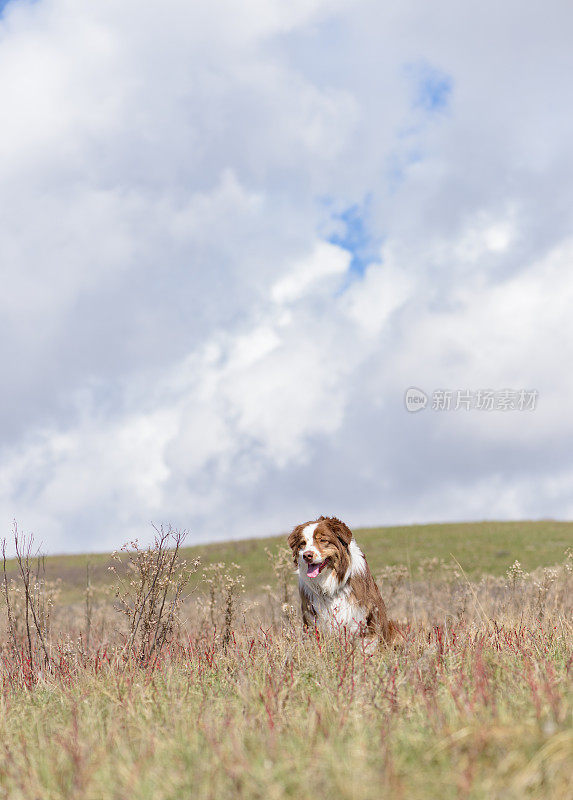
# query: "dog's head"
321,545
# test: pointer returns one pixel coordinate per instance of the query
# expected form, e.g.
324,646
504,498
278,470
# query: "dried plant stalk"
151,592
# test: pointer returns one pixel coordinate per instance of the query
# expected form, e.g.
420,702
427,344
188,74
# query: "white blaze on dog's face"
309,555
320,545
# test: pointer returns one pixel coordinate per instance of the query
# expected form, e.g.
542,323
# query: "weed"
151,593
225,583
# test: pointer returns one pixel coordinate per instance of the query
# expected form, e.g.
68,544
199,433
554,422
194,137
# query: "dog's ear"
340,530
294,541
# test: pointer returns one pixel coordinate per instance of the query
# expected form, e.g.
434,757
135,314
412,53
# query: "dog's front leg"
308,612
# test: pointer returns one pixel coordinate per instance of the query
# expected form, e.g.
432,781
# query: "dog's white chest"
337,613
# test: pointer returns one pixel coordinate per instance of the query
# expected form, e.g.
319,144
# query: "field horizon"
533,543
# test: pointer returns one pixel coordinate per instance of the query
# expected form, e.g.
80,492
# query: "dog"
337,590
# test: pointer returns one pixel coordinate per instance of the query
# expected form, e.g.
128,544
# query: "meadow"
167,674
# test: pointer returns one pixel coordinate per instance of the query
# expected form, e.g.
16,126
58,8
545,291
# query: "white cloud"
325,260
184,345
383,290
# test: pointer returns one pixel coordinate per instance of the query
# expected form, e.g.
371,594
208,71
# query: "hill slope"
480,547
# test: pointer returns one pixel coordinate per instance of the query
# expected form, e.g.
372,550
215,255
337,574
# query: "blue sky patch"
432,87
355,235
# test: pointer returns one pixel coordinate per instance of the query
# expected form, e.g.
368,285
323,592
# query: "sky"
232,236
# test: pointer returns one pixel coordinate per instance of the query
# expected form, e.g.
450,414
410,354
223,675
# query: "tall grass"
475,702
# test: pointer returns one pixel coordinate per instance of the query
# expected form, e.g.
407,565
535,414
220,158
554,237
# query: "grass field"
475,702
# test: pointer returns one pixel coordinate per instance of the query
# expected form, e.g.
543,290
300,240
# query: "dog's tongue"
313,570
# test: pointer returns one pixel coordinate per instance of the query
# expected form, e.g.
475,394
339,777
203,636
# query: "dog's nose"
308,556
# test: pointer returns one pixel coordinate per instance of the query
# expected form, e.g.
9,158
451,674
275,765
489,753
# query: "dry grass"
237,702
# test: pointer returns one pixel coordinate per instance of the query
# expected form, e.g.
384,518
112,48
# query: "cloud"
232,236
325,260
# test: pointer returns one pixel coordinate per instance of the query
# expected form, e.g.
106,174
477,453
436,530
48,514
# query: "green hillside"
480,547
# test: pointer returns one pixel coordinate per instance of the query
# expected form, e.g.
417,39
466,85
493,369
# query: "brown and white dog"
337,590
